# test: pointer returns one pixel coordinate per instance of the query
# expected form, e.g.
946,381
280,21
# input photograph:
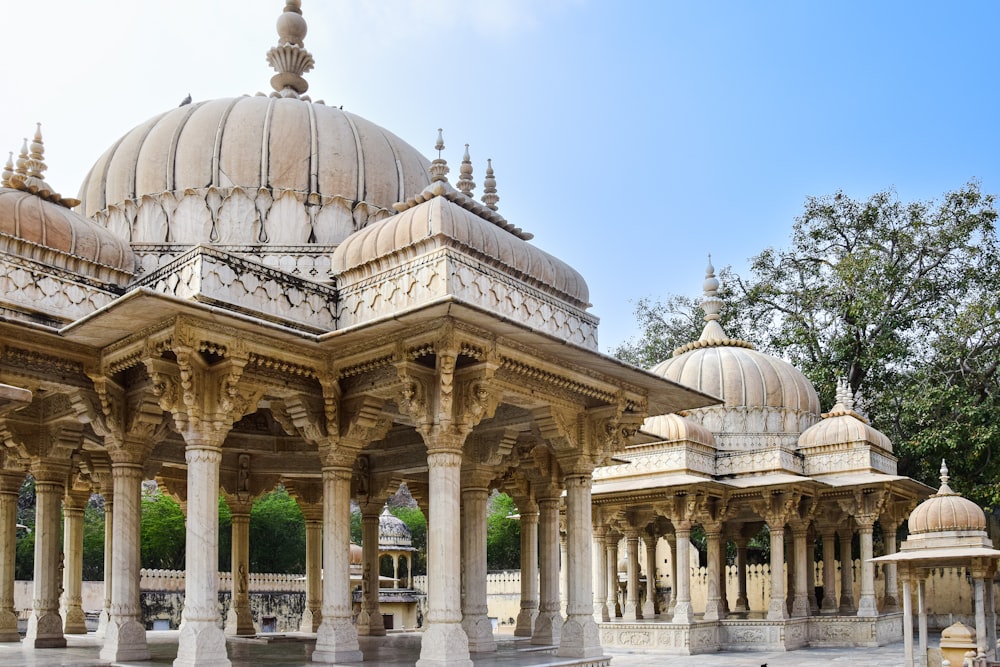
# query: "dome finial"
439,167
944,473
27,174
465,182
8,170
490,196
289,58
711,304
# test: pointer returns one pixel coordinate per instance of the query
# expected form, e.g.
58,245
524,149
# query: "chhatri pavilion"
269,290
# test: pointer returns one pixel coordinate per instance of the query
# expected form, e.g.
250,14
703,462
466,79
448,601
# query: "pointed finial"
289,58
711,304
8,170
713,334
26,173
465,183
439,168
36,163
490,196
944,473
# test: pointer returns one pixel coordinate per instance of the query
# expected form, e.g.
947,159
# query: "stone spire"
945,490
439,168
26,174
8,171
490,196
712,335
465,183
289,58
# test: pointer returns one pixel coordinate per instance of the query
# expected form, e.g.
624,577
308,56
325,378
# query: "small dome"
673,428
392,531
357,554
946,511
842,425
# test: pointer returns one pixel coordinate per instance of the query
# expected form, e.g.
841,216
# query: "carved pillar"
776,609
742,605
672,544
201,639
979,571
800,603
563,572
891,584
109,540
45,626
867,604
309,496
649,604
336,637
632,611
125,634
529,569
74,504
811,572
713,600
599,558
548,623
907,617
369,620
846,571
922,621
611,573
10,485
580,638
683,611
239,620
829,604
475,621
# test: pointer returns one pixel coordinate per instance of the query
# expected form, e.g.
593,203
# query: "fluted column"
649,604
548,623
475,621
74,504
846,572
600,572
907,619
312,615
202,641
239,620
800,603
529,570
10,485
742,604
109,541
683,611
829,604
891,603
336,637
867,605
672,543
632,611
611,573
776,608
563,573
922,621
125,634
45,626
369,621
580,637
713,599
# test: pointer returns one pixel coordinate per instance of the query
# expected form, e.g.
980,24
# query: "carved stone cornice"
776,507
865,505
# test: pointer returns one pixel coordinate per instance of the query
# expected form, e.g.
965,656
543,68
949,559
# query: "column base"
201,644
742,606
337,641
102,623
580,638
867,607
891,605
548,625
479,631
311,618
777,610
683,613
525,622
601,614
648,609
370,625
239,623
631,612
124,642
45,631
846,607
800,607
444,645
8,627
75,623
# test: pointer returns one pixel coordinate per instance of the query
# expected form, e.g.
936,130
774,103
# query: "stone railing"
260,582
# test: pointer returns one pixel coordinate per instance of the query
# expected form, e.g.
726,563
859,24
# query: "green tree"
93,540
417,523
277,534
162,536
503,534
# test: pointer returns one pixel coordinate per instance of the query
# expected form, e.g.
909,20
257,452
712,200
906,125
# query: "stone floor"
400,650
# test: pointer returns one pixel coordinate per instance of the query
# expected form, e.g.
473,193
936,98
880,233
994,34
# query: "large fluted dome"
278,170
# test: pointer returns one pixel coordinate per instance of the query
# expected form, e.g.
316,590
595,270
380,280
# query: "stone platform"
747,634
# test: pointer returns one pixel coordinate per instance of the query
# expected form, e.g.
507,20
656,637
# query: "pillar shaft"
846,573
599,558
475,621
529,574
979,604
649,604
800,603
742,604
829,604
907,624
336,637
10,484
776,608
563,573
611,574
891,581
866,603
922,622
631,611
109,541
312,615
74,504
580,637
239,620
713,598
683,611
548,623
202,641
369,620
45,626
125,634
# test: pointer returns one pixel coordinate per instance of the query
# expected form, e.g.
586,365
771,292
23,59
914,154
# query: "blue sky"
632,138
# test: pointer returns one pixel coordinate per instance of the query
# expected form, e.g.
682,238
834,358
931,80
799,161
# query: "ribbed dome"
278,170
842,425
441,215
673,428
357,554
946,511
392,531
